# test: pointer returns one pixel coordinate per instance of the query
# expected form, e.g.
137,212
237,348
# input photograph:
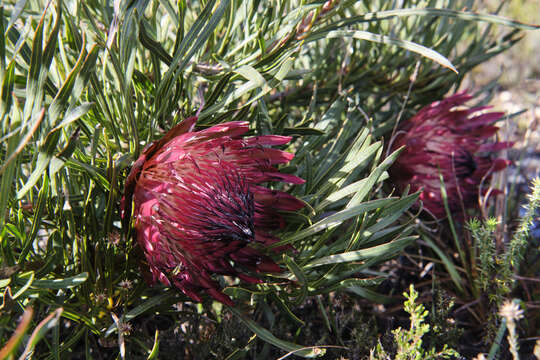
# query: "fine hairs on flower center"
208,200
230,216
464,164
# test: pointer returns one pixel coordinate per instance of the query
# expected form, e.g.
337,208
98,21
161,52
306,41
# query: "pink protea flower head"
454,142
199,209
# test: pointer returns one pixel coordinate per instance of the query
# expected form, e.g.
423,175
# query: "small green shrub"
409,343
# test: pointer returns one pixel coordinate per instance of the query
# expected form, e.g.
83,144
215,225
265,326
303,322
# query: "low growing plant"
409,343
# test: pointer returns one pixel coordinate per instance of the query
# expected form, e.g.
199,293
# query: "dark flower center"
229,214
464,164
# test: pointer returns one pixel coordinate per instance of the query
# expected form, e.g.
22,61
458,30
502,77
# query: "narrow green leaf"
383,250
155,348
52,41
2,41
63,96
10,348
464,15
390,214
353,165
369,294
65,283
74,114
38,218
36,73
43,160
39,332
12,155
89,324
87,70
251,75
383,39
372,179
302,131
193,41
346,191
267,336
17,10
255,80
494,349
153,46
6,91
285,309
448,264
8,169
26,284
140,309
14,231
68,344
334,220
300,278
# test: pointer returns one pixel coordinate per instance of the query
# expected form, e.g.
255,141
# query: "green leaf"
39,332
302,131
6,91
448,264
27,284
63,96
285,309
2,45
255,80
391,213
9,169
153,46
17,10
65,283
298,350
464,15
334,220
383,39
66,345
370,294
300,278
194,40
384,250
86,71
9,349
359,196
52,41
36,74
346,191
26,139
140,309
155,348
74,114
38,218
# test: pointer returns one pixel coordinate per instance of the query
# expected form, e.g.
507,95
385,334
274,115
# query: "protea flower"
454,142
199,208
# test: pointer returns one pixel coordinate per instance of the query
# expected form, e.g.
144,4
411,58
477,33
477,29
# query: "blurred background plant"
86,85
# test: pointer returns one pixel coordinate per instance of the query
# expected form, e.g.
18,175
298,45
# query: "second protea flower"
199,208
444,139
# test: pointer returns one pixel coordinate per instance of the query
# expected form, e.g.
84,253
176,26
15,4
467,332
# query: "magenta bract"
199,208
454,142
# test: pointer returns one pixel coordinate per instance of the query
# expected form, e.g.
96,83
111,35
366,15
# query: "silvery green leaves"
44,72
347,230
350,227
